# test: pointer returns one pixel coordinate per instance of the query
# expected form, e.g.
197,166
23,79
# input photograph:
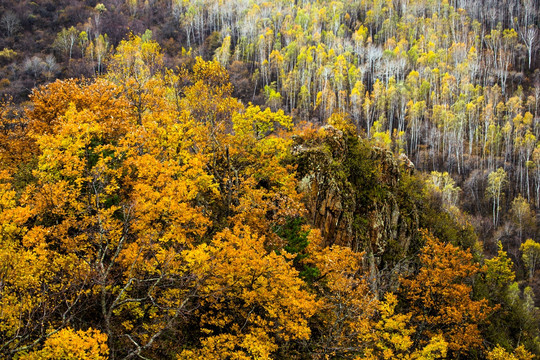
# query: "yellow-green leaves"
259,123
530,250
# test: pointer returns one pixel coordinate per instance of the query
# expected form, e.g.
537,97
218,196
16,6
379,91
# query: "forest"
307,179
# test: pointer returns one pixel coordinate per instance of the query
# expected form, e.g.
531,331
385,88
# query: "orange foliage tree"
154,215
352,322
439,297
252,301
130,174
111,206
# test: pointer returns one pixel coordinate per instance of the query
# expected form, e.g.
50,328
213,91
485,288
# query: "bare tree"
528,9
529,36
51,67
34,66
496,183
10,23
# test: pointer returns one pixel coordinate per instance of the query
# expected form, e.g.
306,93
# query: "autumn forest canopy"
269,179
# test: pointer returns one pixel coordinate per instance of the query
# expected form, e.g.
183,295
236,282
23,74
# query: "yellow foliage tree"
68,344
499,353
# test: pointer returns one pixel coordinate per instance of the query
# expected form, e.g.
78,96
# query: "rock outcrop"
352,192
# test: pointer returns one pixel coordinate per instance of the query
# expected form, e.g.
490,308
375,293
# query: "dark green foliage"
409,197
364,173
296,244
445,226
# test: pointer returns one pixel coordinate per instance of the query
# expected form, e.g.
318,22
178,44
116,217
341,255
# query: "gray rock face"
351,191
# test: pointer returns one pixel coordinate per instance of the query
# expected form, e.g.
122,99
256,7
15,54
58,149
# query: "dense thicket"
451,84
148,213
202,190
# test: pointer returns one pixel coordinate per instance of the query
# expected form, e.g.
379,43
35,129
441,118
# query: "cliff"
354,195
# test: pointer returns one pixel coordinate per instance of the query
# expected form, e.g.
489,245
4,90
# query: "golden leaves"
253,296
499,353
68,344
153,210
440,297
